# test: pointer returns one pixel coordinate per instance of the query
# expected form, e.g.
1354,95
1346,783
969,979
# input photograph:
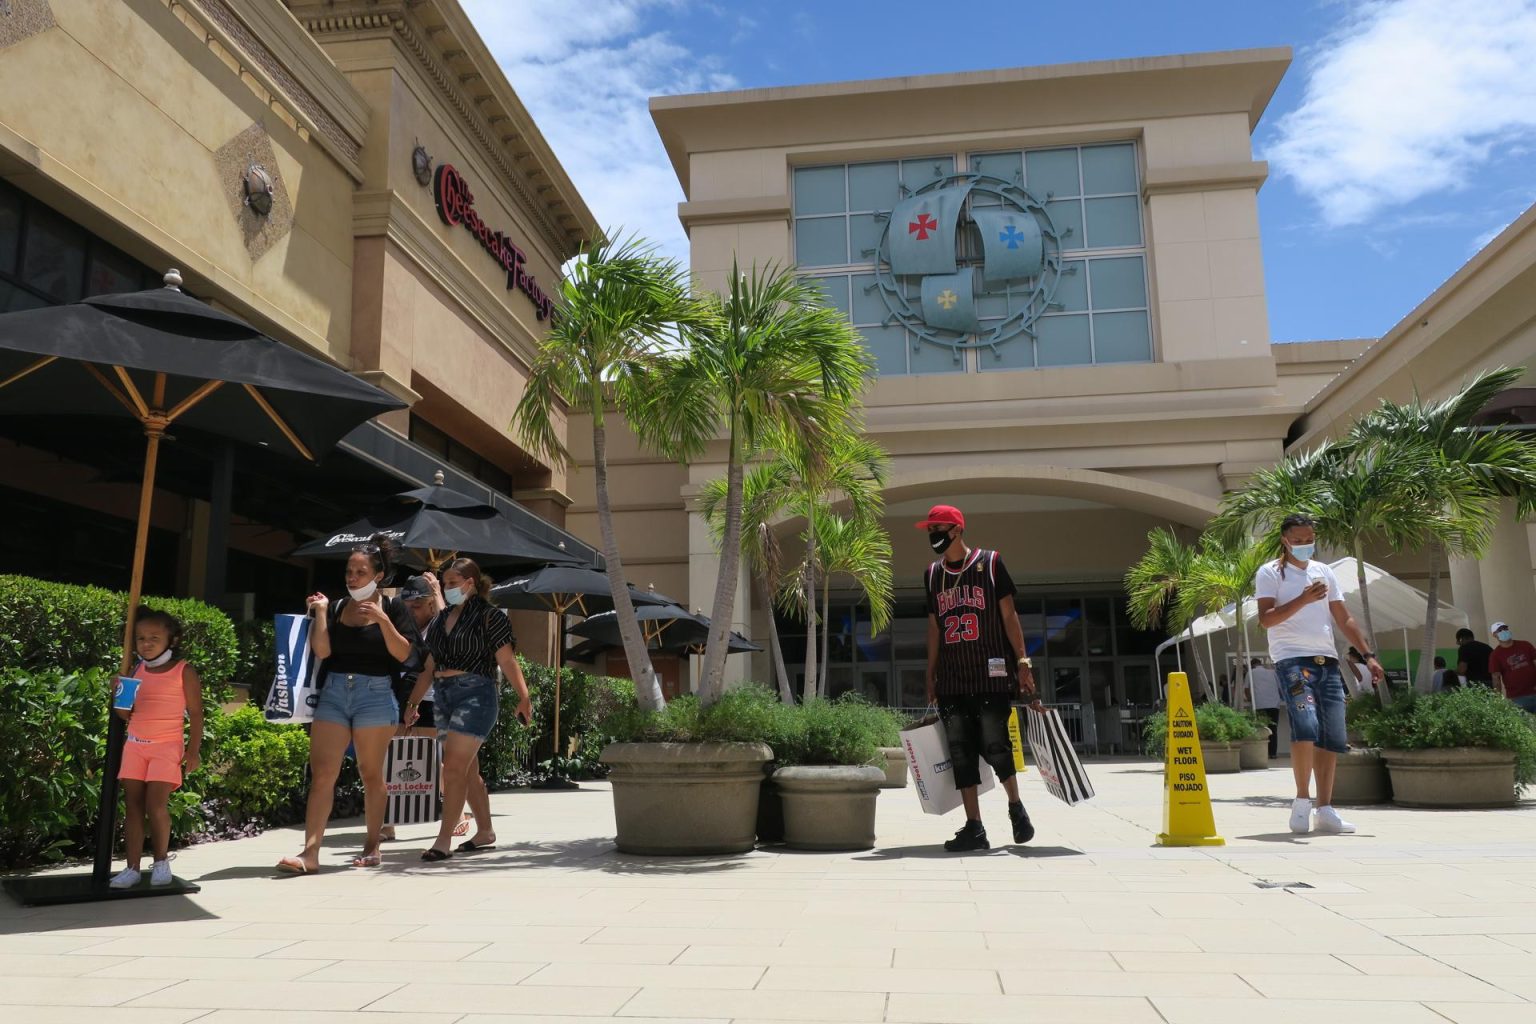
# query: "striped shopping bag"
410,780
1056,760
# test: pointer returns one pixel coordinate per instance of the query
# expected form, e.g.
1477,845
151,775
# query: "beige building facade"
417,224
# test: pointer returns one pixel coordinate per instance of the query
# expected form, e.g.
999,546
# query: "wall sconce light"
421,165
258,187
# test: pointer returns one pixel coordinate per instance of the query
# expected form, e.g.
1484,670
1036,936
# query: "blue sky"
1401,141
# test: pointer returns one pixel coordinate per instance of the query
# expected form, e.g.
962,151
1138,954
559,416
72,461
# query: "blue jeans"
1313,692
465,704
357,702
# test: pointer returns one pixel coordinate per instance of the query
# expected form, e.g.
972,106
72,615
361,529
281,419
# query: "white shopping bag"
295,691
1055,759
927,748
410,780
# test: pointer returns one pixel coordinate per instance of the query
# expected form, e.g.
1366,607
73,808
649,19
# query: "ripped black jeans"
977,728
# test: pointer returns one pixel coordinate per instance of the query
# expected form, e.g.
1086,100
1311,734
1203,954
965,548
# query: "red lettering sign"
456,205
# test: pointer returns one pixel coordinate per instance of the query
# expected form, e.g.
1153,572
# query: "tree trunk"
780,673
1206,686
808,584
1431,620
725,585
647,685
826,629
1365,595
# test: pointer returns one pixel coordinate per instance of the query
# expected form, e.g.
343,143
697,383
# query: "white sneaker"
1328,820
126,878
160,874
1301,815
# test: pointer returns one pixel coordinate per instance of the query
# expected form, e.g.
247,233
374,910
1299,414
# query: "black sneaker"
1023,831
972,837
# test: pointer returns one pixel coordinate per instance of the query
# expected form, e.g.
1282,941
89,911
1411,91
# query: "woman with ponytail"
465,644
365,641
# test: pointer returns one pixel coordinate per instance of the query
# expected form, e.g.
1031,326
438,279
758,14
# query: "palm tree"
1462,473
620,308
1153,586
1221,573
856,546
773,359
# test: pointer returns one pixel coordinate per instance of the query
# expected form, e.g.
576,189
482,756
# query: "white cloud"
586,71
1407,99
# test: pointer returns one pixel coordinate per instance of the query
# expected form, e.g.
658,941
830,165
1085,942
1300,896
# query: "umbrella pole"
117,729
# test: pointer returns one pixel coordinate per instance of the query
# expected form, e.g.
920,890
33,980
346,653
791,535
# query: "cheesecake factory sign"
456,205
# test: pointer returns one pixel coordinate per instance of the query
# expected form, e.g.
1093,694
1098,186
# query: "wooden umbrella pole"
117,729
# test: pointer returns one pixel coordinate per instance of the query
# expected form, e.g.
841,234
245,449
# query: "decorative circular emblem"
421,164
968,261
258,188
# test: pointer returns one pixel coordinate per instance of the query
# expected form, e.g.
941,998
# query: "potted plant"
1361,775
686,779
831,769
1255,748
1222,732
1467,747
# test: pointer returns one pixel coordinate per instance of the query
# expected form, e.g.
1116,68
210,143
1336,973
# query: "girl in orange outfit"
169,692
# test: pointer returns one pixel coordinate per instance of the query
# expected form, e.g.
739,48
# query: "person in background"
1444,678
156,749
365,640
424,597
1300,605
1472,658
1266,700
1513,664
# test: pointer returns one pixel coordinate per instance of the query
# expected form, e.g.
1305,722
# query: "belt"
1324,661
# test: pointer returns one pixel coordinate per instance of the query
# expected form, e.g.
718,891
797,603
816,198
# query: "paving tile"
56,991
1233,963
226,948
330,949
1000,959
648,976
101,1015
266,995
1410,965
1176,1010
204,968
879,979
801,956
1504,964
1483,1013
40,965
323,1017
504,1018
849,1007
29,944
532,935
631,936
401,971
317,931
1125,983
1000,1009
524,1000
1453,988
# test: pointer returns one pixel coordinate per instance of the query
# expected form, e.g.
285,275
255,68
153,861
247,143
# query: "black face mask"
938,540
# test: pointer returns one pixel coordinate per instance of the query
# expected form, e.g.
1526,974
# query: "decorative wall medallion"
962,241
421,165
257,186
252,182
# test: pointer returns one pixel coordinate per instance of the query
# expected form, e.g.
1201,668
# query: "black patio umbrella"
561,590
434,524
163,358
666,627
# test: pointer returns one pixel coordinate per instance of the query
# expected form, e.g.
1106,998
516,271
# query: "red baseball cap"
942,515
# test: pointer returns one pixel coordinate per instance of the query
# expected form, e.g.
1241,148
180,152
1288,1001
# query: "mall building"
1059,273
358,179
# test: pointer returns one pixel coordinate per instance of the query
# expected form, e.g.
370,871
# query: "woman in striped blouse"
465,643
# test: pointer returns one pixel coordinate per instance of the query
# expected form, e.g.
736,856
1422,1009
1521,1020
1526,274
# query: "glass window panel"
1066,684
54,260
1113,222
1032,622
1063,340
865,231
1072,286
874,186
834,290
1118,283
1067,216
14,299
889,347
1051,172
868,306
1108,169
1121,338
10,228
820,190
1008,166
821,242
1017,353
111,271
909,631
928,358
992,304
1064,627
1096,612
919,172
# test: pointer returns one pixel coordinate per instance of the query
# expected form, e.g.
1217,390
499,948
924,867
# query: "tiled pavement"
1422,916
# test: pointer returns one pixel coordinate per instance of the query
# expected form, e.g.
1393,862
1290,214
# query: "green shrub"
60,625
1154,734
515,754
1472,716
255,658
1221,724
744,714
253,770
840,732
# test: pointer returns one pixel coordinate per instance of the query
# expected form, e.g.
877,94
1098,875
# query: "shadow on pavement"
936,851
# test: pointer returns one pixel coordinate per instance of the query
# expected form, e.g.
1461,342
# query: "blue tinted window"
1113,222
864,231
868,305
1121,338
1072,287
1118,283
1051,171
820,190
874,186
927,358
920,171
1068,217
889,347
1008,166
821,241
1109,169
834,291
1064,341
1018,354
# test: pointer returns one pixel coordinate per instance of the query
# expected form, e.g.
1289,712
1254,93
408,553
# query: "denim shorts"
465,704
357,702
976,726
1313,691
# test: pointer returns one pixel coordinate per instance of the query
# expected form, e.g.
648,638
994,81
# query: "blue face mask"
1303,552
454,597
1504,635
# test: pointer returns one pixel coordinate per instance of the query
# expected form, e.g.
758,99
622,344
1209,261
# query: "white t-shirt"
1266,688
1309,632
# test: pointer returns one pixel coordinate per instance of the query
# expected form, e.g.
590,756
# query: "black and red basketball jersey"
975,654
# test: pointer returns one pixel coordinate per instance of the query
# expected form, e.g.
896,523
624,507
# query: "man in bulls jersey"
977,665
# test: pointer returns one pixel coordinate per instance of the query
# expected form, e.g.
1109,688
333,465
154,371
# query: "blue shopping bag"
294,692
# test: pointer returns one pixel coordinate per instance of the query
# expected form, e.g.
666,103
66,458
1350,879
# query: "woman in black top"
465,643
364,640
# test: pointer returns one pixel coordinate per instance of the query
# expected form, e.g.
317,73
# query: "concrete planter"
829,808
1361,778
1255,751
1221,758
1452,777
684,799
895,768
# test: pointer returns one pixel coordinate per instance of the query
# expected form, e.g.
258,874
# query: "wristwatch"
1026,663
1368,655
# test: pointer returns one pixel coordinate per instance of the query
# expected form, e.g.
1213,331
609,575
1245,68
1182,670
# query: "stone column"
1508,590
1467,593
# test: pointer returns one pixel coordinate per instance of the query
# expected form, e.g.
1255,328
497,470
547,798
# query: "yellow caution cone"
1187,818
1016,741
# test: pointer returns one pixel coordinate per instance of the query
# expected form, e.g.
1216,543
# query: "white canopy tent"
1394,605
